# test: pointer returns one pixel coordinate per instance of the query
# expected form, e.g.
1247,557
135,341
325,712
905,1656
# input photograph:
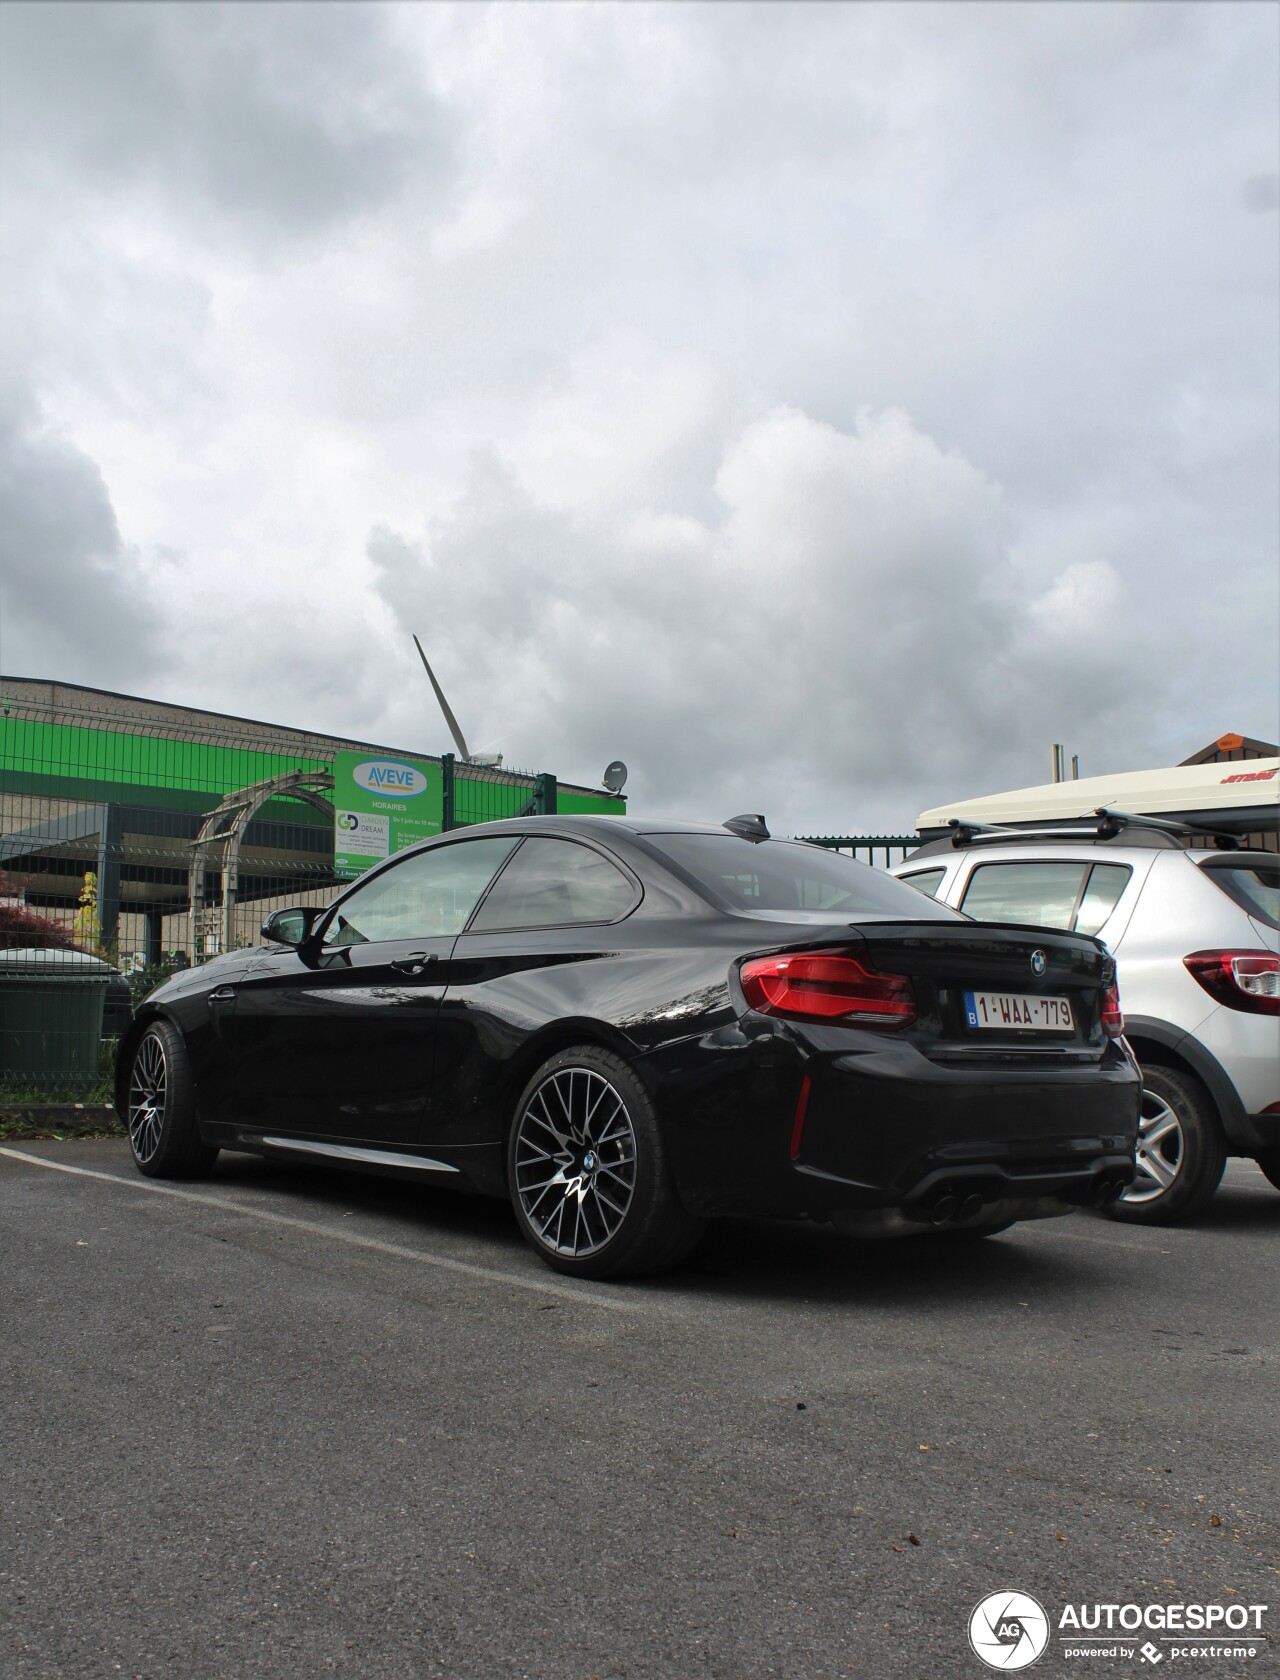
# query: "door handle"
224,994
415,962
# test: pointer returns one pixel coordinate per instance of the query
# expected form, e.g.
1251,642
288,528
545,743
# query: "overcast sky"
822,408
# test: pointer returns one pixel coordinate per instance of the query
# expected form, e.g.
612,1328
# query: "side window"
1106,882
1038,894
551,883
428,896
926,881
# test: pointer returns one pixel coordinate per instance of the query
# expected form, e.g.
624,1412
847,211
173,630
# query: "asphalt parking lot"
290,1423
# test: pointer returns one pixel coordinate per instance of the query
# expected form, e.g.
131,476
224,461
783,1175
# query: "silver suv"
1196,938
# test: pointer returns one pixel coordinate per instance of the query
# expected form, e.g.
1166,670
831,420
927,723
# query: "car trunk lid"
987,990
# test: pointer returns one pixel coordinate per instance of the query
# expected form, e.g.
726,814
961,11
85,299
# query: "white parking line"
540,1286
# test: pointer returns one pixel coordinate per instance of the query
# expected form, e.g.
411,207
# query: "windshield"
1255,886
775,877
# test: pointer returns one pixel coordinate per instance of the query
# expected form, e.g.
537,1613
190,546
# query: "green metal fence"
475,793
882,849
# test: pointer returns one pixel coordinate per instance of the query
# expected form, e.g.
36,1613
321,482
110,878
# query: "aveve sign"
389,776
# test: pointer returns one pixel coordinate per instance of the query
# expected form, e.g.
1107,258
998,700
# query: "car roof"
603,825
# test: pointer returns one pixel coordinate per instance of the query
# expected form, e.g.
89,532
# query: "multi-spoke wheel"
160,1094
588,1174
1180,1154
148,1091
575,1161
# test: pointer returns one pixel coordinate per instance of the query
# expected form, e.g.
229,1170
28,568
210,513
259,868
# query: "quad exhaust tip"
952,1207
1108,1190
943,1211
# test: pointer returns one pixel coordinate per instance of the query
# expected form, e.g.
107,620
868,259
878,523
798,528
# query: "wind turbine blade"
444,704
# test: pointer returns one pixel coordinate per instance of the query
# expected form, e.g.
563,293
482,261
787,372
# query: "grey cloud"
73,597
1261,193
275,117
605,404
852,621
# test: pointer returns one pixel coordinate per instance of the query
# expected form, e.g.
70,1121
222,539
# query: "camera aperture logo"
1009,1630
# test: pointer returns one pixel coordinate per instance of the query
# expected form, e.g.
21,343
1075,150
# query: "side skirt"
348,1154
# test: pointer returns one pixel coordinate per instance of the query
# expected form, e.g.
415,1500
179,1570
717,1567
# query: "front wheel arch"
143,1017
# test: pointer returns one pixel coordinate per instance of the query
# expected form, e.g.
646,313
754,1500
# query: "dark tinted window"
1254,886
551,883
782,875
428,895
926,881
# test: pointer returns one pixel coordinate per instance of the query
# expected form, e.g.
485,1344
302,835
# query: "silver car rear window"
1253,884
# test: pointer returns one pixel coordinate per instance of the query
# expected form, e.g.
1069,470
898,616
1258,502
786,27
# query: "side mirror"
291,927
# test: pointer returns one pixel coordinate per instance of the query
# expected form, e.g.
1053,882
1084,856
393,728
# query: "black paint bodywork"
421,1049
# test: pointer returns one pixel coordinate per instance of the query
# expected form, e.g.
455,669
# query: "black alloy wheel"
588,1174
1181,1152
163,1134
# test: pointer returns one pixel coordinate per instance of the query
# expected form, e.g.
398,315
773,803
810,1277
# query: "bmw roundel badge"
1038,964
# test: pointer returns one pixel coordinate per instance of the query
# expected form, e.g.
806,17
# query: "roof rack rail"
1106,823
1108,815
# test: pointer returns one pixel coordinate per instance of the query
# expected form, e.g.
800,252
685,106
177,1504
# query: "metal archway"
224,827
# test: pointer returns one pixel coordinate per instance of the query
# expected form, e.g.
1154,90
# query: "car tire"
1269,1161
1181,1151
161,1095
588,1174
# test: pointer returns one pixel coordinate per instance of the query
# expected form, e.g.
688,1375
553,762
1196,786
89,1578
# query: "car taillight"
1112,1014
824,986
1248,980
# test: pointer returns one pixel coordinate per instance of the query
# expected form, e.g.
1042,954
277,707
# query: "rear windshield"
788,876
1255,886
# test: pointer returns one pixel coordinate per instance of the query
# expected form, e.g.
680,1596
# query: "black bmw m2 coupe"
629,1027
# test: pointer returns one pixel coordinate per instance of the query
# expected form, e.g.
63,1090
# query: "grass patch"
56,1121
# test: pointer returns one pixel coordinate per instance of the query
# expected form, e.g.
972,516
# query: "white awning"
1187,790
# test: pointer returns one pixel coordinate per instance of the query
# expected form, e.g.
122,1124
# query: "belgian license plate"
1016,1012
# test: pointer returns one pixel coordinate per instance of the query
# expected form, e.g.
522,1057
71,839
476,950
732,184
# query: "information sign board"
382,804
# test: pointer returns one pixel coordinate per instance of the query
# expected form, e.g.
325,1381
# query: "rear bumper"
887,1128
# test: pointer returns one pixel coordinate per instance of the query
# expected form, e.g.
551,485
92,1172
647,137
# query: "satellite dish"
615,776
487,761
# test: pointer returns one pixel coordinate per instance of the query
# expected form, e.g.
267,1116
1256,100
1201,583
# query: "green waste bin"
51,1017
